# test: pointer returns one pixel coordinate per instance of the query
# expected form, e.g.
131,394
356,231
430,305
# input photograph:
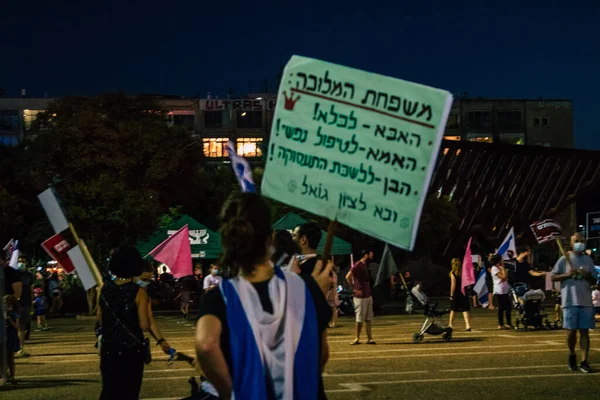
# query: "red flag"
468,273
176,252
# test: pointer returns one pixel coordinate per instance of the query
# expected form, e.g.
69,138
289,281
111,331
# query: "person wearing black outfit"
247,240
123,315
459,302
525,273
307,236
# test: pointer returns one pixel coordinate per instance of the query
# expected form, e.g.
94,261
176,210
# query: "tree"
115,163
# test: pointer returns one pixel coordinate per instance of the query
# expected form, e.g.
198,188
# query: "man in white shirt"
213,280
576,277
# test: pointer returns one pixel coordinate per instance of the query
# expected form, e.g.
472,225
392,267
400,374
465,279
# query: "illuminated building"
547,123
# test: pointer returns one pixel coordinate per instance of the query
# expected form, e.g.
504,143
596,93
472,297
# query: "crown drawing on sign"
290,102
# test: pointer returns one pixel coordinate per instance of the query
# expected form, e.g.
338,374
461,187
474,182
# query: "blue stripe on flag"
242,169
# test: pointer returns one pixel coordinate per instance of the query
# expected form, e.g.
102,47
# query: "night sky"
484,48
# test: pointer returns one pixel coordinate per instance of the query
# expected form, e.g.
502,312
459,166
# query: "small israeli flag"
14,257
509,243
242,169
481,288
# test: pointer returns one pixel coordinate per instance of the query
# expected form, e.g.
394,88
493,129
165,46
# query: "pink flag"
468,274
176,252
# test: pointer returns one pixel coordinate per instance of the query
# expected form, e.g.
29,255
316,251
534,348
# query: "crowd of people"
26,296
264,309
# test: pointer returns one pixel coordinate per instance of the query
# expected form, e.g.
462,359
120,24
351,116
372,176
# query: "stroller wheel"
417,338
447,336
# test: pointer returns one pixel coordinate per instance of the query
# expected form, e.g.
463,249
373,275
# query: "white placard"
82,268
53,210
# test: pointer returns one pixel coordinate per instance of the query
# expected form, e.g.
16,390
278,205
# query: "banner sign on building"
546,230
355,147
237,104
593,225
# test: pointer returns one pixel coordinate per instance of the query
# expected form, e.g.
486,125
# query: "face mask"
215,271
21,266
579,247
142,283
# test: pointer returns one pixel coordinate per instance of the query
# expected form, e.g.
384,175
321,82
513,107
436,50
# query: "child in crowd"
11,305
40,307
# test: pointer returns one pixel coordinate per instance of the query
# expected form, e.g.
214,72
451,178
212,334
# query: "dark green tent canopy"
291,221
205,243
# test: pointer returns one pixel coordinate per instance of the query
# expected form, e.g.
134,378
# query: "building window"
512,138
482,138
479,119
453,121
9,140
185,121
454,138
29,116
9,120
215,147
249,119
249,147
509,119
536,122
213,119
545,121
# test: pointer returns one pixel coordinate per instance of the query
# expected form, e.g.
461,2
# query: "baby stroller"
431,326
530,311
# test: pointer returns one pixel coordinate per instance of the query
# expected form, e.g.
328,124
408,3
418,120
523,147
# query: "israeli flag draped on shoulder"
283,346
242,169
509,243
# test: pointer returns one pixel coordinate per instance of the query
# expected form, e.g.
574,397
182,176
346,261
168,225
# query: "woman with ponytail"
262,333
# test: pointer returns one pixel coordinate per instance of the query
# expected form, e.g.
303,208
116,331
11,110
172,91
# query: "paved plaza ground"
485,363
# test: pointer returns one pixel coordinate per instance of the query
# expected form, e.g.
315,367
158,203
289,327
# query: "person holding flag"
459,302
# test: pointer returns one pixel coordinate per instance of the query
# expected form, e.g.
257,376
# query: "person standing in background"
56,293
576,279
359,280
501,289
332,296
213,280
308,237
25,303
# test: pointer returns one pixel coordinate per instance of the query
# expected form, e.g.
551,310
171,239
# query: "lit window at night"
29,116
248,147
215,147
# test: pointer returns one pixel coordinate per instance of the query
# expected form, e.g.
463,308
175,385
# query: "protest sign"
355,147
53,209
546,230
58,246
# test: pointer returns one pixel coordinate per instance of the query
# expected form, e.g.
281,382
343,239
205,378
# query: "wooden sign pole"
329,241
565,254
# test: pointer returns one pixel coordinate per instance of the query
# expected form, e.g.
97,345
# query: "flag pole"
87,256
